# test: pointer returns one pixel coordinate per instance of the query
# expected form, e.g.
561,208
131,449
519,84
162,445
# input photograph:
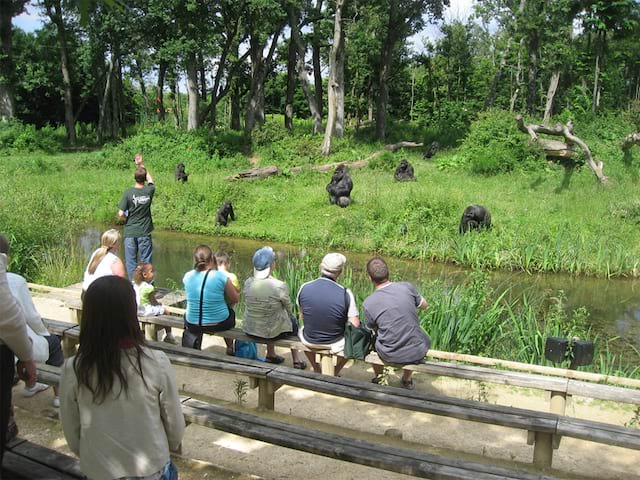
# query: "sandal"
274,359
377,380
408,384
302,365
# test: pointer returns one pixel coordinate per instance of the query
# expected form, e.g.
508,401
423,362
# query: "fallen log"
565,131
630,140
271,170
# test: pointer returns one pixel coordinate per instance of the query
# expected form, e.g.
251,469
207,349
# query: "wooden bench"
341,447
544,429
23,459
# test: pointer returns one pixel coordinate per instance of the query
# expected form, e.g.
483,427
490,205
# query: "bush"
18,136
495,145
449,122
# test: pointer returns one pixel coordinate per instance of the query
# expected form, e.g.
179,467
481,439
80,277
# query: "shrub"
18,136
449,122
495,145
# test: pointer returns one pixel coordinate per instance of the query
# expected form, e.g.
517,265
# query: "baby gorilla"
224,212
404,172
340,187
181,175
431,151
475,217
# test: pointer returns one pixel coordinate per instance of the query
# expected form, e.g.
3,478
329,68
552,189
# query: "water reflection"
613,305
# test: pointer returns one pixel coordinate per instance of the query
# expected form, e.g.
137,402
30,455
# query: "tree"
10,8
335,119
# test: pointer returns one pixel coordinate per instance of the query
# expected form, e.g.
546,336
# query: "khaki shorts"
336,347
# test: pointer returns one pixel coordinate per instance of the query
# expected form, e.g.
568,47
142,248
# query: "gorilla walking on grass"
224,212
475,217
340,187
181,175
404,172
431,151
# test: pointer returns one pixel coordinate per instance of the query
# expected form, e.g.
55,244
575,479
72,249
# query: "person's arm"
69,409
352,313
423,304
152,298
170,406
13,325
117,268
230,293
149,177
123,206
20,291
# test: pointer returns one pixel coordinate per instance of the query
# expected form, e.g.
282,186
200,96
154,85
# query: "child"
222,261
146,297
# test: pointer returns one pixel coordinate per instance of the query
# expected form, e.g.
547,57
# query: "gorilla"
431,151
404,172
475,217
181,175
340,187
224,212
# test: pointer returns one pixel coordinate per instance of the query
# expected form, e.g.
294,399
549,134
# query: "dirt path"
219,455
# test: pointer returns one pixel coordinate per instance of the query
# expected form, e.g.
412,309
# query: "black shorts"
227,324
56,358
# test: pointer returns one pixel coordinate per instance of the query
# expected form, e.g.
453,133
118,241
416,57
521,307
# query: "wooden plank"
51,458
419,401
394,459
16,466
49,374
599,432
603,392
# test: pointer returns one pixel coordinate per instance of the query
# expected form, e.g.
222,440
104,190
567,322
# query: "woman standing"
209,293
104,260
119,401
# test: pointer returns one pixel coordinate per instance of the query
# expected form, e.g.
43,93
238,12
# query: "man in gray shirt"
391,311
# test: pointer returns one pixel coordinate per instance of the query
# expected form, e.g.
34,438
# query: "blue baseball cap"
262,261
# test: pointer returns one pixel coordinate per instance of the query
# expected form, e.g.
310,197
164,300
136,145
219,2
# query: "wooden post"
68,347
151,331
558,405
266,394
326,365
542,450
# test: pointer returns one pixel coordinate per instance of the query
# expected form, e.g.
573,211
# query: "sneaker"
56,402
37,388
169,338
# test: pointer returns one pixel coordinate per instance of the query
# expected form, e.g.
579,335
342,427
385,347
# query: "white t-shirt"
103,269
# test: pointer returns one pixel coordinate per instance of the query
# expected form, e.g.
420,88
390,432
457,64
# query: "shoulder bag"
190,339
358,341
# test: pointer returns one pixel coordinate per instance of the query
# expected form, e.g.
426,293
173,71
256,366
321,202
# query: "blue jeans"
134,246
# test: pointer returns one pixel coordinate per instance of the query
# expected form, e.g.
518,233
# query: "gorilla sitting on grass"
340,187
404,172
475,217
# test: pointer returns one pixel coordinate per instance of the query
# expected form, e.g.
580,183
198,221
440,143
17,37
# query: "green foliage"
18,136
495,145
386,161
448,122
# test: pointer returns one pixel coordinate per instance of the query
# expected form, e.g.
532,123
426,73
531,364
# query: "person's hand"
138,159
27,371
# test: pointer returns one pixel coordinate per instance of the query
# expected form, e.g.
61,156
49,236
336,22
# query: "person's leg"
7,371
311,356
130,255
145,249
298,359
406,375
378,369
56,358
271,350
340,362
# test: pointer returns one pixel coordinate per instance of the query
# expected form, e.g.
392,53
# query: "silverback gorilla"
181,175
340,187
224,212
475,217
404,172
431,151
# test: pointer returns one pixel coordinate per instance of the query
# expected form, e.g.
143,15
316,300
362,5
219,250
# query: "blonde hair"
138,273
109,239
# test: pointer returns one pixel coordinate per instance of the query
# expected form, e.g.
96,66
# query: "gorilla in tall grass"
475,217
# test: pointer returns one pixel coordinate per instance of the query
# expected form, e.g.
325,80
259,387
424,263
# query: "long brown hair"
203,259
109,324
109,239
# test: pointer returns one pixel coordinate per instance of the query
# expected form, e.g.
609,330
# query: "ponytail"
96,259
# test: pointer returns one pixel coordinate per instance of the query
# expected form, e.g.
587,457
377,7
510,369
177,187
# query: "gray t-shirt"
391,310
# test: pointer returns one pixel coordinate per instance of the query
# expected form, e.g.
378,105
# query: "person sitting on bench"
325,308
391,311
268,314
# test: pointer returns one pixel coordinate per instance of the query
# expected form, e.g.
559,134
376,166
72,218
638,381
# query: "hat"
332,264
262,261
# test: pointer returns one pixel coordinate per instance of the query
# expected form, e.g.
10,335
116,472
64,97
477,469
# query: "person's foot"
12,430
169,338
37,388
231,352
56,402
377,379
408,384
301,365
274,359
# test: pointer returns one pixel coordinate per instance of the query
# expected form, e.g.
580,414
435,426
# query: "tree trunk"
54,10
315,55
553,87
102,116
532,77
174,97
302,71
385,70
497,78
595,103
203,78
514,96
335,117
291,86
143,87
162,71
235,108
192,91
7,67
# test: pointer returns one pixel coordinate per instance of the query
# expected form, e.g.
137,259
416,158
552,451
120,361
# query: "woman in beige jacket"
119,401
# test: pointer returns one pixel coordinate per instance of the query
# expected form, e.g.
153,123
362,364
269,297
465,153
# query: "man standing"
13,340
325,308
391,311
135,209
